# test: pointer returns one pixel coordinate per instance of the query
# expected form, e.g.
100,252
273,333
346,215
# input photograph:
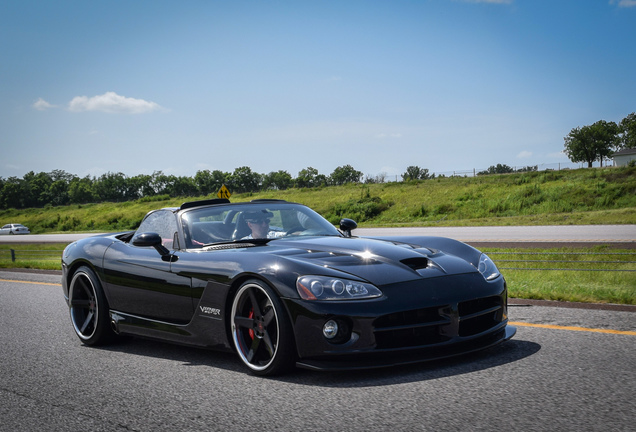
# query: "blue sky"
181,86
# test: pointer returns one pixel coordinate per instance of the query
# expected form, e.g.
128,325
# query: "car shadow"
508,352
505,353
187,355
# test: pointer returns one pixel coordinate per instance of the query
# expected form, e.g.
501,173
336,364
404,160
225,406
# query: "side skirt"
201,331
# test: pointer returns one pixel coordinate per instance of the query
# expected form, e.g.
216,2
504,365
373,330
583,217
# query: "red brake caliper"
251,331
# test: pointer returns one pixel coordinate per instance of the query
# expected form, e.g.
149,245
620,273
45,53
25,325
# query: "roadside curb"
571,305
35,271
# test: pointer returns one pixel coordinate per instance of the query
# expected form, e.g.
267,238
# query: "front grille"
479,315
438,324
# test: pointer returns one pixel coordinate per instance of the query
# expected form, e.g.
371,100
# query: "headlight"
487,268
327,288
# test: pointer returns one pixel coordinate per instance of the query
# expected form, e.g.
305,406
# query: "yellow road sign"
224,193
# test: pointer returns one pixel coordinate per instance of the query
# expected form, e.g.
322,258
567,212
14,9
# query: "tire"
89,308
261,331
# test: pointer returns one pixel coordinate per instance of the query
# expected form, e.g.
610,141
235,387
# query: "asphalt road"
552,233
545,379
572,234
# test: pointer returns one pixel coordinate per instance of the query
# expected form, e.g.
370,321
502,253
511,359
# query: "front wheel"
261,330
89,308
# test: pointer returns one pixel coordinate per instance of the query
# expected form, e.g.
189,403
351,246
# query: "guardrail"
24,254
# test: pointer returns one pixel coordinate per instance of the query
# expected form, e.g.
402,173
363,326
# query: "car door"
138,280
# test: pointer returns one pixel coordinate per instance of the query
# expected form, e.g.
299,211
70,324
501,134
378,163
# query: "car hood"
377,261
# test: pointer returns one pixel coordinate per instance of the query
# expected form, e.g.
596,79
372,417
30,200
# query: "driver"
258,222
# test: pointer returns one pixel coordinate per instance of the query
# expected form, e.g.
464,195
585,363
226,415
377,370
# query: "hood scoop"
416,263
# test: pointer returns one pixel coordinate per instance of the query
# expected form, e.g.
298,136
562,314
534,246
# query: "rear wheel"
261,331
89,308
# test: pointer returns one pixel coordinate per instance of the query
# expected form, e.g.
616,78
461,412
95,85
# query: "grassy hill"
582,196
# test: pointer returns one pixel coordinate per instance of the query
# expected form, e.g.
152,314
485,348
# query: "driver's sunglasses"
259,221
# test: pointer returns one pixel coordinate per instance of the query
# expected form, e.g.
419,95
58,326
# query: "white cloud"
557,155
392,135
524,154
624,3
111,102
42,105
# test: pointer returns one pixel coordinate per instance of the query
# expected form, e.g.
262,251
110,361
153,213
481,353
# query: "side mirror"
347,225
151,239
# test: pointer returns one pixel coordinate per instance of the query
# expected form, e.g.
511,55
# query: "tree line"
61,188
598,141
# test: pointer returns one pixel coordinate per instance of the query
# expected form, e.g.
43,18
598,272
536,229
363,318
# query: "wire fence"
518,260
30,255
474,172
609,265
540,167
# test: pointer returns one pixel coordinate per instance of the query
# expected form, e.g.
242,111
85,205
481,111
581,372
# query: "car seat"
241,229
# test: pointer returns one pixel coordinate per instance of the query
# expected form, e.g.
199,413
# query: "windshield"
271,220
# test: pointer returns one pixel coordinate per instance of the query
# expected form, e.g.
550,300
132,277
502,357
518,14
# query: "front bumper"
378,360
413,322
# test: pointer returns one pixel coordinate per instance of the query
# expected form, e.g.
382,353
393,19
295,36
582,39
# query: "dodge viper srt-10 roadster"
282,287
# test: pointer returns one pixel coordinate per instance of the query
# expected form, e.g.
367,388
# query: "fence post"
12,255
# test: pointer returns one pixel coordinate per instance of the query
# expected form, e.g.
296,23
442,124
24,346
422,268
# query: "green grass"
45,256
581,197
588,275
605,286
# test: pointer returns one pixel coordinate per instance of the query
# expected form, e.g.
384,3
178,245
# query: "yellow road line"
30,282
557,327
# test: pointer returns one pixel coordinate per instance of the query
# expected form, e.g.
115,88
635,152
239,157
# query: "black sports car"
281,286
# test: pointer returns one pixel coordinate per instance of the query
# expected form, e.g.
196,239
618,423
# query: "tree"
141,184
345,174
37,189
81,191
13,193
57,175
606,135
159,183
309,178
58,191
381,177
370,179
279,180
591,143
181,186
497,169
111,187
210,182
529,168
415,173
627,132
245,180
